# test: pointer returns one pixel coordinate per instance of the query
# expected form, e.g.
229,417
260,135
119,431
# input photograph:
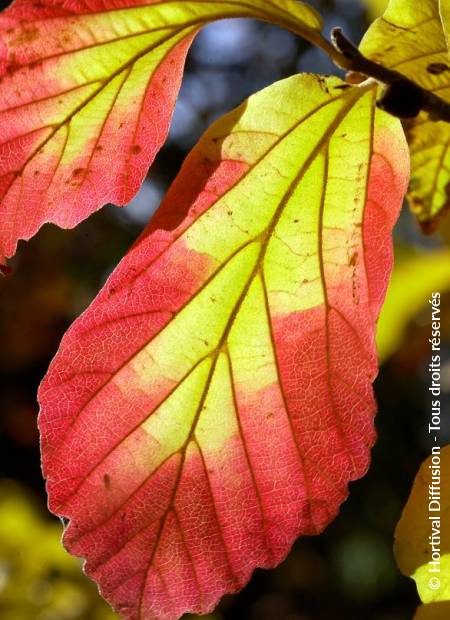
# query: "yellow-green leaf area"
422,536
410,37
414,278
374,8
444,9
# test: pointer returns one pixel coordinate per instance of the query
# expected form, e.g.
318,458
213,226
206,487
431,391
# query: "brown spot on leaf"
66,39
35,64
76,178
107,481
136,149
436,68
353,259
25,38
323,84
13,65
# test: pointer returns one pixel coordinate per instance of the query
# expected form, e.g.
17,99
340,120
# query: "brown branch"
402,97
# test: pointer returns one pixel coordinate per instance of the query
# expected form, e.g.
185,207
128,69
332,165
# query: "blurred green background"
349,572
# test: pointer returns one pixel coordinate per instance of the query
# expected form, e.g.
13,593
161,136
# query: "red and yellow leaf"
215,400
87,91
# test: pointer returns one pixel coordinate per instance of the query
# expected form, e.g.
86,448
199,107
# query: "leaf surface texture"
412,38
87,90
215,400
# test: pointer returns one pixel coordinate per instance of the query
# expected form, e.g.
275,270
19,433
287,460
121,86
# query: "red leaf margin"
137,302
44,175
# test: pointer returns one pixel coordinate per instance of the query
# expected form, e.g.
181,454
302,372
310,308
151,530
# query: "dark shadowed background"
349,572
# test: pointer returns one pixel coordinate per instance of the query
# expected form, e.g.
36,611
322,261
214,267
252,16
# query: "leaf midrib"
358,93
222,343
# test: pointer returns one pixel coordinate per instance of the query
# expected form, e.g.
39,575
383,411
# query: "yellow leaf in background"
444,9
413,280
422,578
412,546
38,579
410,38
375,8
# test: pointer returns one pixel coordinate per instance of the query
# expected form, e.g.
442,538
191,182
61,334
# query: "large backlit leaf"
215,400
413,547
87,91
410,38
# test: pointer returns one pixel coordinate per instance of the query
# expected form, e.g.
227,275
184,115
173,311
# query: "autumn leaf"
419,521
87,91
375,8
444,10
410,38
215,400
414,279
34,561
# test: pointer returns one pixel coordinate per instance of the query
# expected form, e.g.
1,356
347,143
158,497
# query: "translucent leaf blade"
410,37
87,92
225,370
